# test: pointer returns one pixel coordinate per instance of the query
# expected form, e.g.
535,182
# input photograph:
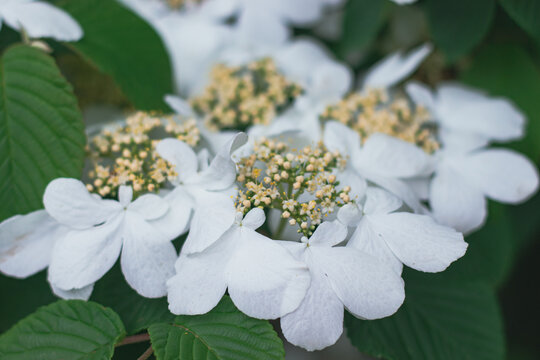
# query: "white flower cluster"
314,208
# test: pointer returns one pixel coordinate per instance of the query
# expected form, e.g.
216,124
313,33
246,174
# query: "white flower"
467,172
341,277
26,243
100,230
267,21
404,2
382,159
395,67
263,279
39,19
207,189
399,238
193,36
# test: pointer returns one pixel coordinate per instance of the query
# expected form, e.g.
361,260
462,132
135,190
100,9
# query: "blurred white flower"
341,277
382,159
466,171
403,2
208,189
399,238
100,230
39,19
263,279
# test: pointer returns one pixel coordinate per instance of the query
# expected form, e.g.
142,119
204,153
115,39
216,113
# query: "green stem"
280,229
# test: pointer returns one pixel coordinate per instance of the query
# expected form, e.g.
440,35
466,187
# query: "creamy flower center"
372,112
299,183
240,96
127,156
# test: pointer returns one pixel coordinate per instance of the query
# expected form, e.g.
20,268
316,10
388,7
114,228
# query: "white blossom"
39,19
262,278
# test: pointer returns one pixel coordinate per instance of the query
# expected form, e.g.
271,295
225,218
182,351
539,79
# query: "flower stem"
146,354
134,339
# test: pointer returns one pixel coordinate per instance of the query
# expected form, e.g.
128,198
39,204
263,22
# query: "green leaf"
361,23
123,45
64,330
509,71
41,129
491,250
439,320
137,312
224,333
458,25
526,13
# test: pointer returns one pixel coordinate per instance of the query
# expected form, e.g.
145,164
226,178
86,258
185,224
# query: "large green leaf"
224,333
458,25
439,320
124,46
41,130
137,312
362,21
509,71
64,330
490,253
526,13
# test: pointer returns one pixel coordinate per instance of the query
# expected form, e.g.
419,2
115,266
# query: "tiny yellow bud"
292,222
286,215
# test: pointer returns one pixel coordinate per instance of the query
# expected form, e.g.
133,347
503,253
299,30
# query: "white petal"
330,82
456,202
368,288
350,214
299,11
70,203
328,234
254,219
181,155
147,259
199,282
398,188
40,19
379,201
420,94
221,173
215,214
394,68
74,294
418,241
82,257
341,138
388,156
179,105
366,239
350,177
264,280
256,27
26,243
125,195
420,186
176,221
149,206
318,321
502,175
496,119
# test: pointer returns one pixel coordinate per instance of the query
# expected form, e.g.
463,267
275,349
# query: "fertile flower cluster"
239,96
372,112
127,156
369,180
299,183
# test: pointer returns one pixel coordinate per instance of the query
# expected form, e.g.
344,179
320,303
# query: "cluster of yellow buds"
127,156
180,4
240,96
372,112
298,182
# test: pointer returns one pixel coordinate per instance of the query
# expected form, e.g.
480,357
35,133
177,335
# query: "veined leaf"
41,129
224,333
64,330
